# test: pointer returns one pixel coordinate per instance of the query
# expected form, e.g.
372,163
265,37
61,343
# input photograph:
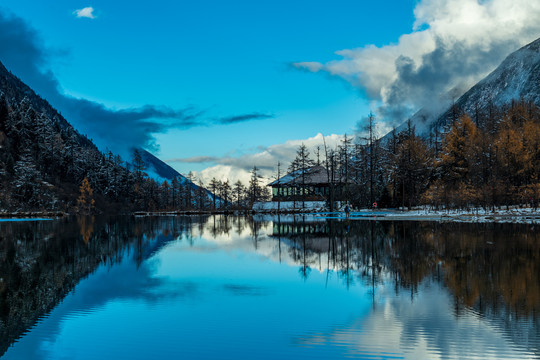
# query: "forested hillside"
493,160
46,165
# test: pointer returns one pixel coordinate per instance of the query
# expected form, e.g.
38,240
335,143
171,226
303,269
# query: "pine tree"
214,186
138,166
238,191
279,189
254,189
189,190
175,193
345,165
225,193
302,163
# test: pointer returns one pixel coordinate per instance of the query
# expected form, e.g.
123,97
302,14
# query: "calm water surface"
288,288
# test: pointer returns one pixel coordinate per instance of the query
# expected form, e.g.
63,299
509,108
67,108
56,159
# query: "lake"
224,287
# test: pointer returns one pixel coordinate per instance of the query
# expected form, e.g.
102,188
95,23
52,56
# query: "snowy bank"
511,215
30,215
289,206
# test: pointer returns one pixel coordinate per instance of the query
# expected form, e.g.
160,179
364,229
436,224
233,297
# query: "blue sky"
271,65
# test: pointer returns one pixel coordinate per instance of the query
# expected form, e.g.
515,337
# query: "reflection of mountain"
488,275
491,270
422,328
41,262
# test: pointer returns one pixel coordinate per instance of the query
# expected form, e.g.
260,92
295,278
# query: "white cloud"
87,12
238,168
452,45
224,172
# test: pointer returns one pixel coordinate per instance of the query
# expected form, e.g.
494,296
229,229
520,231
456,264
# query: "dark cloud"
244,118
455,66
128,127
22,51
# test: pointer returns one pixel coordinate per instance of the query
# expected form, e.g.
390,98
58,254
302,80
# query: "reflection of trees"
255,230
86,224
349,249
221,225
485,266
497,267
492,268
41,262
411,256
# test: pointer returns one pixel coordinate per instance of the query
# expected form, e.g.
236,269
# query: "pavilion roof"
313,175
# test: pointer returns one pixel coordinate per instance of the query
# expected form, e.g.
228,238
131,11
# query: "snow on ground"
29,219
290,218
513,214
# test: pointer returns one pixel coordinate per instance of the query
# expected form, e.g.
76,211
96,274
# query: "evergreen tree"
239,191
225,193
301,164
214,187
254,189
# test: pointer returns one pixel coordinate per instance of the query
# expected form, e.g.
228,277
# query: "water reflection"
492,272
488,267
356,289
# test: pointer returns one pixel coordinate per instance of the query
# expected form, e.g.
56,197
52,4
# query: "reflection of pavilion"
312,227
322,244
294,228
316,234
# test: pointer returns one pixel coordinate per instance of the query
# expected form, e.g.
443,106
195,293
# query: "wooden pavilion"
311,184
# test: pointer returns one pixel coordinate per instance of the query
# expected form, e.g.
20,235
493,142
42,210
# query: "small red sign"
374,204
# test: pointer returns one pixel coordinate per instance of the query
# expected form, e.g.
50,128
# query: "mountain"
43,159
516,78
45,164
15,91
160,171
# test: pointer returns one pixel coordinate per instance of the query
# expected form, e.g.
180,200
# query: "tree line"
191,194
485,160
45,164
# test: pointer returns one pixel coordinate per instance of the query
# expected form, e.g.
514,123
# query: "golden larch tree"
85,202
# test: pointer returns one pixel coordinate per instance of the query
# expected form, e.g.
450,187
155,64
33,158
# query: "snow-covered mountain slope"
160,171
43,159
516,78
14,91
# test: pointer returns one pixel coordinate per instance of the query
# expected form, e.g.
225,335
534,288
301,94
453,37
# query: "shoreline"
512,215
35,215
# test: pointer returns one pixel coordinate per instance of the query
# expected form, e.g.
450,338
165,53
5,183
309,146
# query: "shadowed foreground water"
287,288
